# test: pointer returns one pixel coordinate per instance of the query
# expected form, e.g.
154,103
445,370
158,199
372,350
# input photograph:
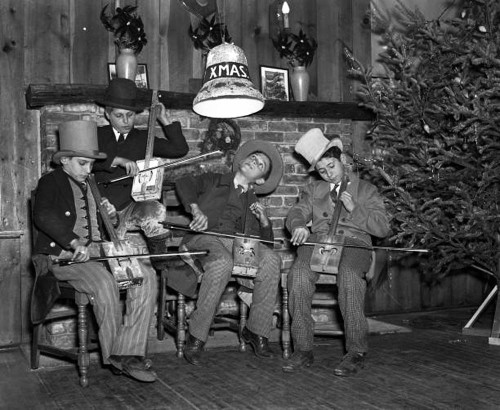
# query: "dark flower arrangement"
126,26
208,34
223,134
298,49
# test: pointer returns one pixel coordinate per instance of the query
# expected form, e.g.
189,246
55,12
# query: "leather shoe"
133,366
298,361
193,349
259,344
350,364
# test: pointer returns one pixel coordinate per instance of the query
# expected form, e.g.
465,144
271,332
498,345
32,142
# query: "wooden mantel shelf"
40,95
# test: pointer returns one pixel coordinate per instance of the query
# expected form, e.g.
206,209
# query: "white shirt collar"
117,134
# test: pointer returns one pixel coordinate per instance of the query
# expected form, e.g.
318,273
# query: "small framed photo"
274,83
141,78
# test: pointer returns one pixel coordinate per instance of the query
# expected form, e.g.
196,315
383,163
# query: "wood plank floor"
432,367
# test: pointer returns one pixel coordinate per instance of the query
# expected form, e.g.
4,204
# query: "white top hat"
313,144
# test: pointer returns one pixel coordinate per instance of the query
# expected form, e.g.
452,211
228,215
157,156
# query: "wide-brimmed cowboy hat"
313,144
270,150
121,93
78,139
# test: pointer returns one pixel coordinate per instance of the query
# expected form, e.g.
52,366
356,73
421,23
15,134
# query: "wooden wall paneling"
345,37
90,43
10,290
150,54
251,42
162,71
328,31
233,14
47,41
361,38
179,50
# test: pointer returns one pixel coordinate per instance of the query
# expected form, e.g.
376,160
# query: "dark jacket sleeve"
54,215
174,144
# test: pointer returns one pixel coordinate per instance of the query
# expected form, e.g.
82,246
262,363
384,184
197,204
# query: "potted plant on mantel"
299,50
130,38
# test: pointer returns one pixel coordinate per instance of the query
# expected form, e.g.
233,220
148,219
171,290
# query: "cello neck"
153,113
104,214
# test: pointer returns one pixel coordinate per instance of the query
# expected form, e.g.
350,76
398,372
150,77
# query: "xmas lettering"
226,70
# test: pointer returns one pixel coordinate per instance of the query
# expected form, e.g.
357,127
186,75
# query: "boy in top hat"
124,145
66,216
362,214
227,203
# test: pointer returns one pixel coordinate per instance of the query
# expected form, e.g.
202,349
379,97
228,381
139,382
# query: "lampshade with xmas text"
227,90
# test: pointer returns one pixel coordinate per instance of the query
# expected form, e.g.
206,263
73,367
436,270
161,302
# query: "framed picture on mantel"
141,78
274,83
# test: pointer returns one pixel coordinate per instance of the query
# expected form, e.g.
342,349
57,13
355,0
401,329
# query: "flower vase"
126,64
299,79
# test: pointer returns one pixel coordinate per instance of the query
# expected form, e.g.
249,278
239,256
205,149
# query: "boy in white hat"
362,214
66,216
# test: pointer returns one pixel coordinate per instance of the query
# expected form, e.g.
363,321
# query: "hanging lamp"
227,90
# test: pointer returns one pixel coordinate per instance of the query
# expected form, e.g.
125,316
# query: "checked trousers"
351,284
218,266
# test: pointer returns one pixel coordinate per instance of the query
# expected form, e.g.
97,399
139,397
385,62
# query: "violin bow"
282,241
169,165
224,235
66,262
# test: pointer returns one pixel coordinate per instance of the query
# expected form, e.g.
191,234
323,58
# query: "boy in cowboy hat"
227,203
362,214
124,145
66,216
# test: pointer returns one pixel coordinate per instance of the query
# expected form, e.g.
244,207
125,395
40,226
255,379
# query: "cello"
126,271
325,257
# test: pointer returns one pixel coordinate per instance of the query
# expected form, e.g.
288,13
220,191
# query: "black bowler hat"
121,93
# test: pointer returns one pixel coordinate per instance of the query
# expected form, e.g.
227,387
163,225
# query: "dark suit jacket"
134,149
54,216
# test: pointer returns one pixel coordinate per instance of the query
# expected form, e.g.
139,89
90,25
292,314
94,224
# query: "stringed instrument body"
126,271
148,185
326,258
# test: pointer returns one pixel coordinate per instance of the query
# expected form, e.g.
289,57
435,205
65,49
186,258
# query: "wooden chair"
326,299
66,293
176,323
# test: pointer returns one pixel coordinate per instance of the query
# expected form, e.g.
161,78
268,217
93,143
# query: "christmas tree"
436,139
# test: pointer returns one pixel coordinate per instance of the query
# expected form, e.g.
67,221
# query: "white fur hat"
313,144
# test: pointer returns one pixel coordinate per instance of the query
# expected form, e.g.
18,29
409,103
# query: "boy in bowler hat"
124,144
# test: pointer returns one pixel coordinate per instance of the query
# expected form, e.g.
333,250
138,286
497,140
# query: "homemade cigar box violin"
326,258
148,185
125,269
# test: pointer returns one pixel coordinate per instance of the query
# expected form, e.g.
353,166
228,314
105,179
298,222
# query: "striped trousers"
217,266
119,334
351,285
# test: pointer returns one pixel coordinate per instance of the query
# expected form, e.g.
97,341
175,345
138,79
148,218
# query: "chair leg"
35,353
285,322
181,324
242,324
160,330
83,354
